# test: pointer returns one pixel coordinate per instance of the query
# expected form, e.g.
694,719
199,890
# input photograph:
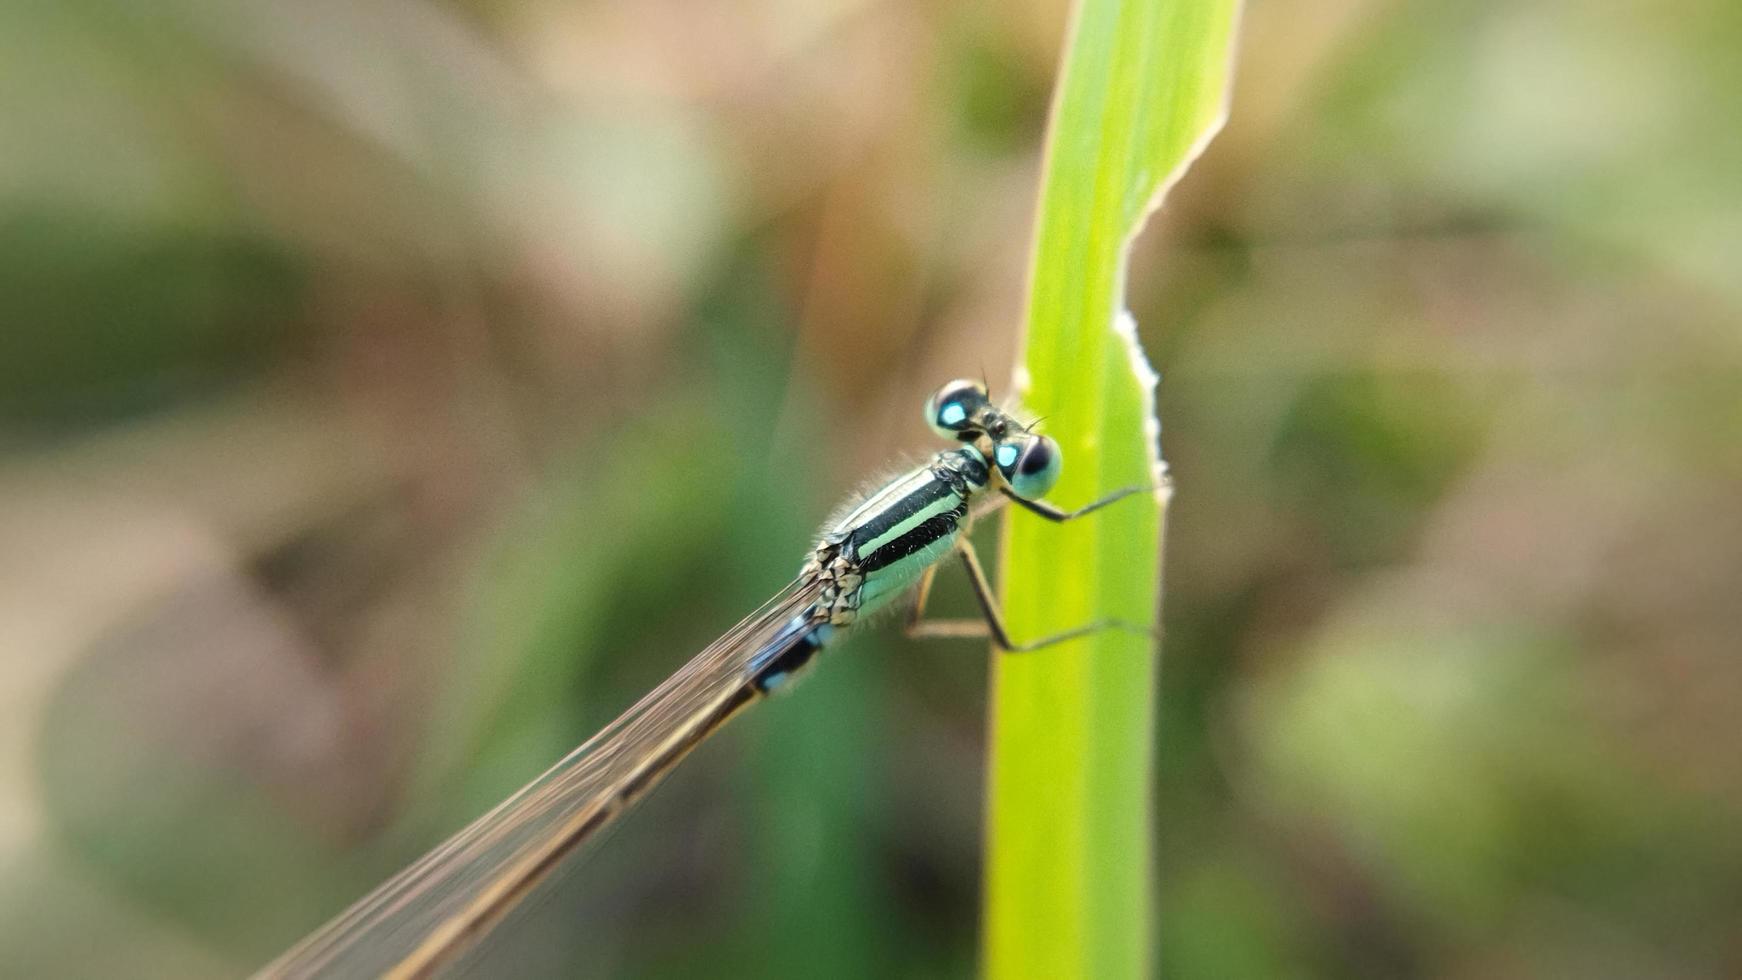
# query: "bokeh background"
391,391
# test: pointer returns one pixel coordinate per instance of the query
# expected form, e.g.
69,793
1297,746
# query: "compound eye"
954,410
1030,464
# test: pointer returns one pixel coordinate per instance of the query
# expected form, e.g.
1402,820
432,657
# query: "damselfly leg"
991,625
1044,509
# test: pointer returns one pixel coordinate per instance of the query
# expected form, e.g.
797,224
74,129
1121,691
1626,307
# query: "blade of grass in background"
1068,869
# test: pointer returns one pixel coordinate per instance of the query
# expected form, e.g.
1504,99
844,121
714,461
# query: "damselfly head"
1029,463
959,410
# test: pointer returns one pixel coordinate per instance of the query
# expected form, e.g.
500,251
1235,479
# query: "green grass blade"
1068,870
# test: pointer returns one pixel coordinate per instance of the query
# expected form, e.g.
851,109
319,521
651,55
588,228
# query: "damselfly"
423,918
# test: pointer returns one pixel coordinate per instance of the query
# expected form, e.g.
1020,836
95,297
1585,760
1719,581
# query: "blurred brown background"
390,391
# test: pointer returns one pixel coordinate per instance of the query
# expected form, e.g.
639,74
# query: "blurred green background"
391,391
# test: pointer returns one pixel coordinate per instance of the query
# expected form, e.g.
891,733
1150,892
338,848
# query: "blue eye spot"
953,414
1006,456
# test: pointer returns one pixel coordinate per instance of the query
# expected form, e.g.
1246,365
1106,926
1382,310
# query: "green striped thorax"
881,547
